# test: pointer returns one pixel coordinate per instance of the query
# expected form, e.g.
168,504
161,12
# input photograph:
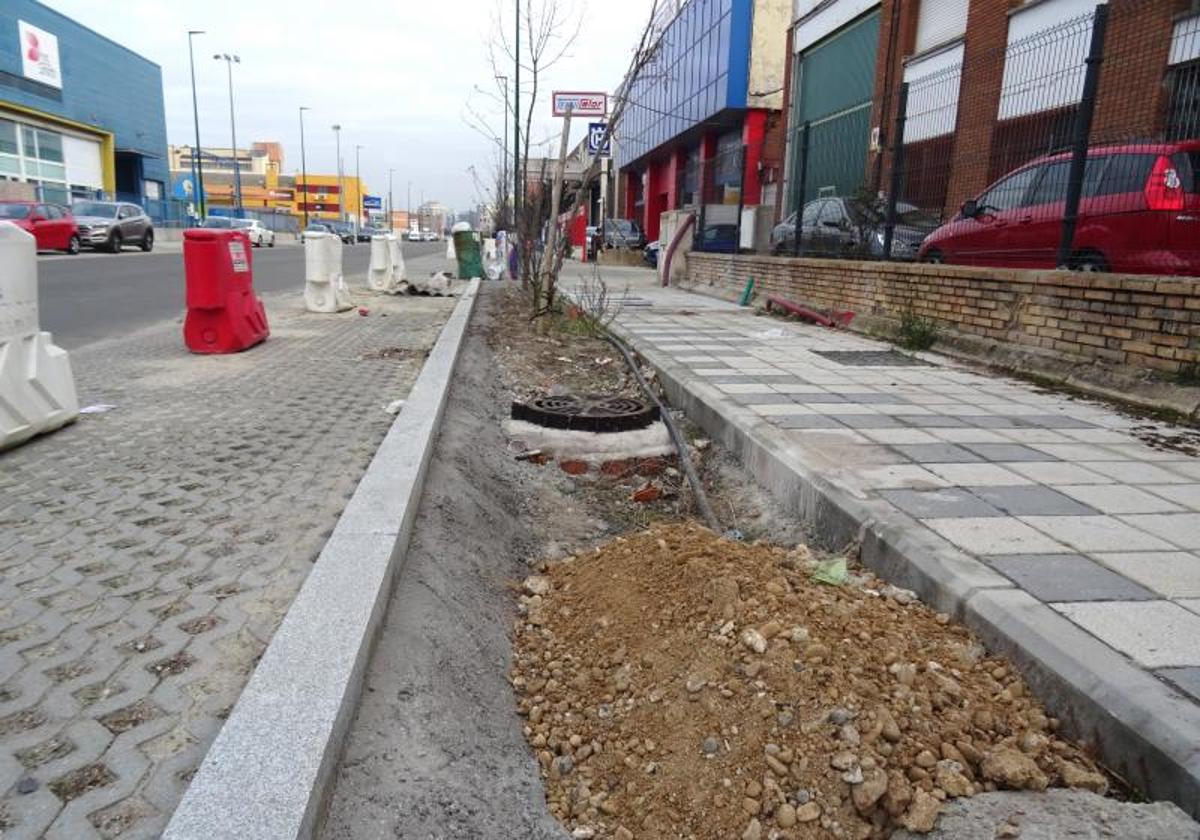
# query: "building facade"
985,86
701,124
258,160
80,115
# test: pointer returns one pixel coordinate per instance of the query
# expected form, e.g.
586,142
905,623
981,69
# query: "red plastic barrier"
833,319
223,313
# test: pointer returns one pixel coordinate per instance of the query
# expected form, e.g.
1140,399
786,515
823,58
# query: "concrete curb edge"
270,768
1142,729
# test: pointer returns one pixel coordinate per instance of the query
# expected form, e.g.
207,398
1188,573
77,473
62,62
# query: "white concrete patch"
650,442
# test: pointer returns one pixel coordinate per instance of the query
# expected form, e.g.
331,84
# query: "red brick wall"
1139,322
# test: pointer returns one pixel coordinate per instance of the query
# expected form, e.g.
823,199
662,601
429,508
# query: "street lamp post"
409,205
337,134
504,160
358,196
391,209
303,167
197,164
231,60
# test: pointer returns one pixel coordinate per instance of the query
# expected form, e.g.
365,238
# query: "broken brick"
573,467
648,493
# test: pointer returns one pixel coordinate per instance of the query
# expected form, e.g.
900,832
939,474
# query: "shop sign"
39,55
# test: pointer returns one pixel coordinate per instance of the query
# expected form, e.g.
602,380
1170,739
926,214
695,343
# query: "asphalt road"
94,296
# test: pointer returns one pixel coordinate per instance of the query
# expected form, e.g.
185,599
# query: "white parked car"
259,235
430,236
416,236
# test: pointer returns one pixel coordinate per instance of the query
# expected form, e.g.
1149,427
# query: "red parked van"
52,225
1139,212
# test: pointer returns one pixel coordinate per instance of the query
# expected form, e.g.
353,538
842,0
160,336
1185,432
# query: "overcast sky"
396,74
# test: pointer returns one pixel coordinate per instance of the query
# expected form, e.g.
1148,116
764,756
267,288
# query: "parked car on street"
415,236
430,236
846,226
52,225
342,230
217,223
112,225
258,233
1139,212
622,233
315,227
718,239
650,254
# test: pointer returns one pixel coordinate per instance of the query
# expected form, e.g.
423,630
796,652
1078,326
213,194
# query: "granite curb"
268,773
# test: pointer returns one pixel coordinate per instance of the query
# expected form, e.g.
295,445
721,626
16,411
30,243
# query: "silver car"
111,225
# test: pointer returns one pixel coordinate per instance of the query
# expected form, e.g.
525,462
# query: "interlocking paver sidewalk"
1060,496
147,554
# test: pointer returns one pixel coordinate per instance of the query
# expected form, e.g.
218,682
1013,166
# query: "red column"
674,169
633,182
754,132
708,151
654,200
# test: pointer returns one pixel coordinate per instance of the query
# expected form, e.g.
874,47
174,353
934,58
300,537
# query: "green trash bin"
469,255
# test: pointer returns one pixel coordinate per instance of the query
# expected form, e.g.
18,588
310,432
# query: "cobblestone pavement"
148,553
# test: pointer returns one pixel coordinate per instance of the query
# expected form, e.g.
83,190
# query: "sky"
399,76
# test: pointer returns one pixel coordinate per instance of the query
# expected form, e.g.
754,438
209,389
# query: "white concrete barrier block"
37,389
325,288
450,253
379,274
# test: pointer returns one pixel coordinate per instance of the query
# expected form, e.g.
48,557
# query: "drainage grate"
873,358
587,413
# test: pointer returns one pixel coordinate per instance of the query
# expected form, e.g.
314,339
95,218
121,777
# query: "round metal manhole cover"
586,413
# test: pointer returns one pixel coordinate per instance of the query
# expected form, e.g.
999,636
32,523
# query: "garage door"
835,82
83,162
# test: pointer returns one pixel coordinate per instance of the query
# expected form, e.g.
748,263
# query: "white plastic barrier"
399,272
450,254
37,390
325,288
380,276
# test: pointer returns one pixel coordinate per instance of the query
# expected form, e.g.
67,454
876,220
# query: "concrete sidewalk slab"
267,774
919,470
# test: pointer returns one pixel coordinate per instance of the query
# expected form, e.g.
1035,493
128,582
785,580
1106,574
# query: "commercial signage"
39,55
372,202
596,133
580,104
281,195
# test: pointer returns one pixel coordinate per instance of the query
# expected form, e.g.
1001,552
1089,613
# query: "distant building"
80,115
433,215
256,160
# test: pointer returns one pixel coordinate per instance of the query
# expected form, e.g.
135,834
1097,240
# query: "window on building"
939,22
1183,115
8,137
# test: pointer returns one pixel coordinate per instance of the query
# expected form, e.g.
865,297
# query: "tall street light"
337,133
197,164
517,111
391,207
231,60
504,164
358,196
303,167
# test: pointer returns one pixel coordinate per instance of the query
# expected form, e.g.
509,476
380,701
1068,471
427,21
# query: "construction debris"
679,684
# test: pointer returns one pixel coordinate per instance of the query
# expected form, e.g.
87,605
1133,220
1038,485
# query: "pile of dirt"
679,684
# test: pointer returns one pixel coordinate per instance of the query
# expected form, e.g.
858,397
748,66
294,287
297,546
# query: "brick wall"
1145,323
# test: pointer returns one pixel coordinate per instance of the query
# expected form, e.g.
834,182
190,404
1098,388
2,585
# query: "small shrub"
915,331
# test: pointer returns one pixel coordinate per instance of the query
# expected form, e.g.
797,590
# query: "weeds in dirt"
1188,374
916,332
594,308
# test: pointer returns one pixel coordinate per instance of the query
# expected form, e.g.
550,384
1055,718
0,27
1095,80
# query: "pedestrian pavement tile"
933,421
769,408
1096,435
788,388
1190,468
1057,472
1000,452
1155,634
1054,421
805,421
1032,436
968,435
1185,494
1141,452
900,475
1032,500
1135,472
1117,498
1079,452
821,397
903,435
1173,574
995,535
771,398
864,421
1191,604
1185,679
1096,533
745,388
1067,577
944,503
938,453
1183,529
979,475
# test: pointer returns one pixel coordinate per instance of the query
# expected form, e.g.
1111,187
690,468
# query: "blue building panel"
701,67
104,85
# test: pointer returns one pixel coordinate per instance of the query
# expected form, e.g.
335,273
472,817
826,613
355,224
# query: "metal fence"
1068,147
